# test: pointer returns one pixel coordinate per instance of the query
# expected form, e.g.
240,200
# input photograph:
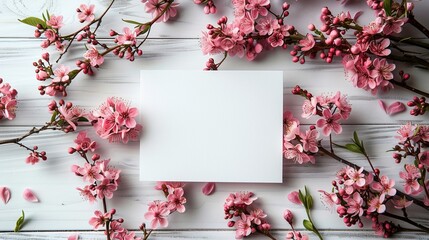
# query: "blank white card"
211,126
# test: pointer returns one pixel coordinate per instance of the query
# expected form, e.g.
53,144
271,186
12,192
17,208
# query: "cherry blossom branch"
407,220
344,161
412,20
408,87
74,35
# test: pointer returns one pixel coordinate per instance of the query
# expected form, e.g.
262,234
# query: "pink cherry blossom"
329,199
382,70
157,214
329,123
401,202
106,188
376,204
87,193
8,107
100,219
309,140
393,25
94,57
405,132
380,48
266,26
70,115
257,7
127,38
55,21
84,142
290,126
307,43
29,195
309,108
257,215
385,186
157,6
176,200
32,158
294,197
243,226
125,115
410,176
356,177
355,205
90,173
246,198
50,35
342,104
296,153
276,39
86,13
61,74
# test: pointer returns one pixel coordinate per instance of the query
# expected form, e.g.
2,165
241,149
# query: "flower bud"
288,216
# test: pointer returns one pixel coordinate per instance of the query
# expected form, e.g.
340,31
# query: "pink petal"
382,105
294,197
73,237
208,188
30,196
5,194
396,107
357,15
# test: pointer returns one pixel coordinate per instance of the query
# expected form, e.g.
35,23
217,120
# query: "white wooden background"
174,45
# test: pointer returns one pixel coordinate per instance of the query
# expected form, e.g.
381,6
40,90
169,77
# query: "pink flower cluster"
413,145
7,101
158,211
115,120
359,195
332,109
50,30
250,219
103,181
251,31
299,146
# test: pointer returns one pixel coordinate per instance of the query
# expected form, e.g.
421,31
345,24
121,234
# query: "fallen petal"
208,188
5,194
382,105
294,197
396,107
73,237
30,196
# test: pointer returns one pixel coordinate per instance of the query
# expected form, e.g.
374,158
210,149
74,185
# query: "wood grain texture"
208,235
188,24
175,45
61,207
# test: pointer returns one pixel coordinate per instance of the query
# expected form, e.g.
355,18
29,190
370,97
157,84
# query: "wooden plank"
61,207
118,77
189,23
209,235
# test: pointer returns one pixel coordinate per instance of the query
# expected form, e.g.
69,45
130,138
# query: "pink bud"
311,27
288,216
45,56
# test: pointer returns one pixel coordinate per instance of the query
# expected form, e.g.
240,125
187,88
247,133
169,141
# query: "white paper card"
211,126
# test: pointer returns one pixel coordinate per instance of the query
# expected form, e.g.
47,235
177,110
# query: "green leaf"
387,4
47,14
73,74
356,138
54,115
308,225
309,200
301,197
82,119
132,22
354,148
33,21
20,222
